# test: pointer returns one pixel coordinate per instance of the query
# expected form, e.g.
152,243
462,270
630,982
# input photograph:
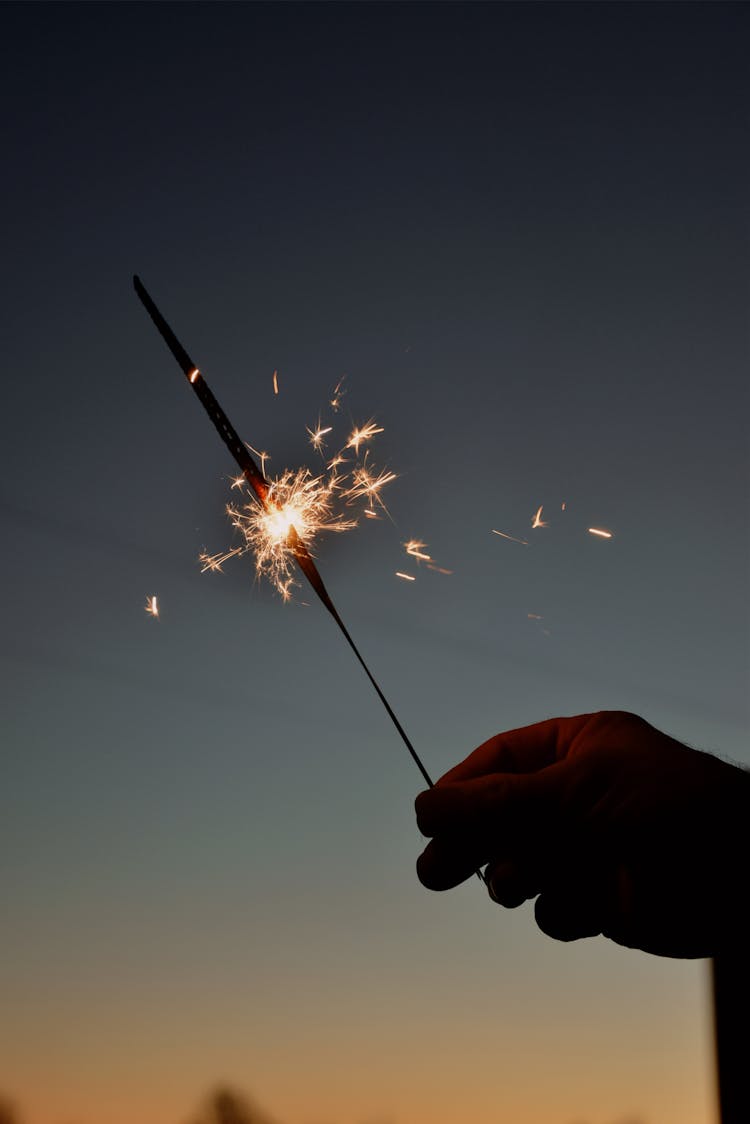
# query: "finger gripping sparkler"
262,490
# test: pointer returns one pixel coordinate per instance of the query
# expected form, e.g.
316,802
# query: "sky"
520,232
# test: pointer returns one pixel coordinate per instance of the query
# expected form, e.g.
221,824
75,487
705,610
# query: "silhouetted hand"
618,828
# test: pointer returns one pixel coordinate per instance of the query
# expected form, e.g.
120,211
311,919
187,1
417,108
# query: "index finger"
525,750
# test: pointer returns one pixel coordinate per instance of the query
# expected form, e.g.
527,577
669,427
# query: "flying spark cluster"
537,522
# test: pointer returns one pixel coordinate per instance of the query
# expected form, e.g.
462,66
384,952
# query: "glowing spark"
317,435
406,577
598,531
214,562
276,382
363,433
370,514
416,550
502,534
338,394
152,606
237,482
194,374
563,506
263,457
534,617
367,485
537,520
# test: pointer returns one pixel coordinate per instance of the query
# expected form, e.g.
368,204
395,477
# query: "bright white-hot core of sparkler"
302,504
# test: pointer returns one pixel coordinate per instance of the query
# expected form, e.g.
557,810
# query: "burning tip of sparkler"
152,605
296,509
405,577
537,521
602,534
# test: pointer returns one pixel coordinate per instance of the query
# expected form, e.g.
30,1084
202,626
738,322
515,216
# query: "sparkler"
279,527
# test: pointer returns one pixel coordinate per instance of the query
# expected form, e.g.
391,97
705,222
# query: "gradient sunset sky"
520,231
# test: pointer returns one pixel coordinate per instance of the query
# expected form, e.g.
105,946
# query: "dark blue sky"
520,230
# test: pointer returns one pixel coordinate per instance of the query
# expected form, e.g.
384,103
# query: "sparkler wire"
261,488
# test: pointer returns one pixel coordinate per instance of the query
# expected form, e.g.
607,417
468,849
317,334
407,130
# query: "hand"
618,828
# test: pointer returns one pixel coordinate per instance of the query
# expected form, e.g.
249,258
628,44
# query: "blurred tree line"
223,1106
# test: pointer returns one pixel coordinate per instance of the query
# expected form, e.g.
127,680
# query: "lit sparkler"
289,511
